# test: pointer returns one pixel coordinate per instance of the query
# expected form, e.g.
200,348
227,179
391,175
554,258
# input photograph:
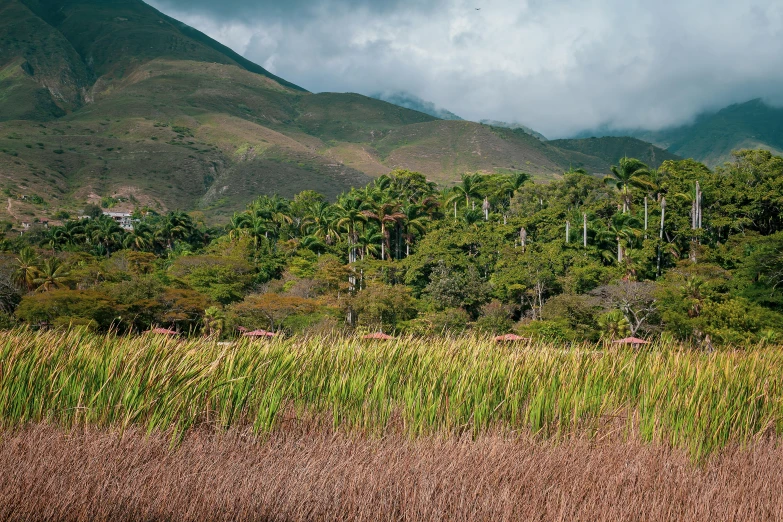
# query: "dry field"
90,475
112,428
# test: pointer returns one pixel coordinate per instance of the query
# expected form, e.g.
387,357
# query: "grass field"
697,402
97,427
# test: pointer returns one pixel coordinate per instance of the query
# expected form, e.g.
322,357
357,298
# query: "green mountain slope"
712,137
111,100
611,149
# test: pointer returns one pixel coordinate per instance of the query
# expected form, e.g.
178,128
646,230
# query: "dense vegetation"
490,254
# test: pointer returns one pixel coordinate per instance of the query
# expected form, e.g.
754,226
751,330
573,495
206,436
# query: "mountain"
507,125
112,101
611,149
413,102
713,135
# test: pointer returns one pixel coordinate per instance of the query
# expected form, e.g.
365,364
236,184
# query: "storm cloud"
558,66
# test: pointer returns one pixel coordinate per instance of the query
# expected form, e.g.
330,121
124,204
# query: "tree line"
680,251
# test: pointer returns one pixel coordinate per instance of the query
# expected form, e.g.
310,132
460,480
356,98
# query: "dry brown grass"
50,474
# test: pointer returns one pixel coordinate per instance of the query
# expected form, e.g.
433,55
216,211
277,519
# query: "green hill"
713,136
611,149
110,100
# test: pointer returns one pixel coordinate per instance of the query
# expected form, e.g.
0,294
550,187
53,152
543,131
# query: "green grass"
465,386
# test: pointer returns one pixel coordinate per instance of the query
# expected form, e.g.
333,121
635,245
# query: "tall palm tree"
512,184
320,222
51,275
416,220
349,216
622,231
27,268
369,241
629,173
469,187
385,214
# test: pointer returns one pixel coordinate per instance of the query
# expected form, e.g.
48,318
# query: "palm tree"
106,232
416,220
349,215
471,217
26,268
141,238
368,241
511,185
469,187
622,230
313,243
630,173
320,222
51,275
385,214
614,325
175,226
214,320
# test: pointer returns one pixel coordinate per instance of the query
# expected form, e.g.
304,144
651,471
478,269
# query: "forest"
680,253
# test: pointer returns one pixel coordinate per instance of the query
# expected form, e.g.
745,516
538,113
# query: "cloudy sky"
558,66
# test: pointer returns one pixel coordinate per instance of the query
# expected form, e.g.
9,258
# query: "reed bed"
413,387
88,475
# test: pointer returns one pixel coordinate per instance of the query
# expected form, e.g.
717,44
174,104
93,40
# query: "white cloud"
558,66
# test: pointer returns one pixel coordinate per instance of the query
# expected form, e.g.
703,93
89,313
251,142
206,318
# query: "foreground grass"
684,399
89,475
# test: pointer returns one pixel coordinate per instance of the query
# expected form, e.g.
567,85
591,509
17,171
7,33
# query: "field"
116,428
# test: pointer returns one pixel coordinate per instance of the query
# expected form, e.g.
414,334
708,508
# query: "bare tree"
635,299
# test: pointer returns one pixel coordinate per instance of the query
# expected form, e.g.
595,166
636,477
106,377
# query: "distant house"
123,219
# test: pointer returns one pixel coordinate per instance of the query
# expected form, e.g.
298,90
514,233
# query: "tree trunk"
663,217
584,230
568,230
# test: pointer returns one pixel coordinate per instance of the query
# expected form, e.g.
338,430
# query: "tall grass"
700,402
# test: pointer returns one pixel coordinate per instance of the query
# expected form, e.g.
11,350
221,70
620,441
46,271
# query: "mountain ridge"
117,104
713,135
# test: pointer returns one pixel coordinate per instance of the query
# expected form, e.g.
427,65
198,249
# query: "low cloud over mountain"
557,66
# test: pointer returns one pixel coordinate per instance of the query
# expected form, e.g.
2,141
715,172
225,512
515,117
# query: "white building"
123,219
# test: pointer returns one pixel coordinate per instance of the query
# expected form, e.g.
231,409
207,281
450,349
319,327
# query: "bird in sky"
478,9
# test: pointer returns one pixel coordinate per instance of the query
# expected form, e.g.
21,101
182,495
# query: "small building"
123,219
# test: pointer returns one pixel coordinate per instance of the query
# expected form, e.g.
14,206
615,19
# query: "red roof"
631,340
377,335
163,331
511,337
259,333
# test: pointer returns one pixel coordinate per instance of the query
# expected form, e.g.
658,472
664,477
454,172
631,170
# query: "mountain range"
712,136
112,101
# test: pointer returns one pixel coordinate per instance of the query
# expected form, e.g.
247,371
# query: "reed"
453,387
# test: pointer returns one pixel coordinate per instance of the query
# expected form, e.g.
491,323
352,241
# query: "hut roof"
259,333
377,335
631,340
163,331
511,338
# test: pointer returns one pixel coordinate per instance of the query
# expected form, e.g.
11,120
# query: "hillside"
410,101
714,135
116,102
611,149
